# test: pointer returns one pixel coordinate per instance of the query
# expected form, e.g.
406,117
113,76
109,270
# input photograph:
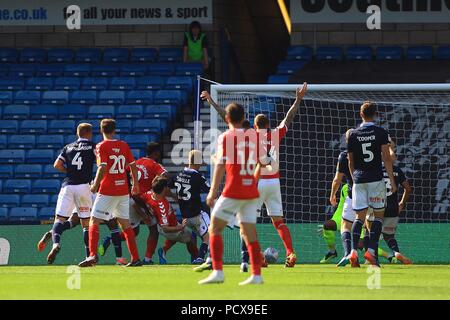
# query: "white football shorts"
74,198
270,196
245,209
109,207
369,195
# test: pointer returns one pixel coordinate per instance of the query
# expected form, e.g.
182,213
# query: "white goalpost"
418,119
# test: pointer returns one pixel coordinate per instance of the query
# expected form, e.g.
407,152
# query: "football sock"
93,239
151,247
375,233
356,233
167,245
122,236
193,250
116,240
86,241
216,251
330,239
244,251
285,236
392,243
346,242
366,239
203,250
255,257
58,228
131,243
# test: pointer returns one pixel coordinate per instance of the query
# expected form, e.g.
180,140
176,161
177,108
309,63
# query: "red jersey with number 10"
148,169
116,156
238,150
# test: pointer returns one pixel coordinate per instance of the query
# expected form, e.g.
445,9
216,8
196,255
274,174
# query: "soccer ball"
271,255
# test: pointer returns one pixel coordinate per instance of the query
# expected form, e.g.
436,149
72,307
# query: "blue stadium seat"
100,112
50,70
50,172
12,156
147,126
189,69
72,111
67,83
6,171
4,215
17,186
50,142
46,186
129,112
60,55
4,70
143,55
33,55
22,70
44,111
420,53
61,126
299,53
94,84
46,213
35,200
150,83
40,156
53,200
123,126
83,97
55,97
27,97
104,70
179,82
359,53
278,79
3,141
39,83
160,111
389,53
290,66
111,97
9,200
23,214
9,126
170,97
9,55
139,97
33,126
137,153
115,55
139,141
28,171
16,111
7,83
122,83
99,138
133,70
77,70
443,53
6,97
161,69
21,142
170,54
88,55
329,53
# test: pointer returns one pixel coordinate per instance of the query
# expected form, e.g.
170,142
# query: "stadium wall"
424,243
350,34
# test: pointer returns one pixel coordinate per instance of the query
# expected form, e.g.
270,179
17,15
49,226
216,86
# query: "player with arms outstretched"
76,160
269,183
237,157
368,149
111,186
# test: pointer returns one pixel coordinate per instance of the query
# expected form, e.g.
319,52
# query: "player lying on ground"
111,186
190,184
76,160
269,184
368,149
237,159
168,225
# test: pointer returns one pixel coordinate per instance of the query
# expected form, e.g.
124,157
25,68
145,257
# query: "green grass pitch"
180,282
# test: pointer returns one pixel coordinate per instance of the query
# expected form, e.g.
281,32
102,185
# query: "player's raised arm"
299,94
206,96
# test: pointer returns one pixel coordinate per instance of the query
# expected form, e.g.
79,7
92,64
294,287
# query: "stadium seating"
143,55
443,53
60,55
88,55
3,141
50,172
6,171
111,97
7,83
129,112
50,142
46,186
100,112
22,70
115,55
278,79
61,126
170,55
124,126
359,53
35,200
31,171
17,186
170,97
139,97
55,97
189,69
49,112
300,53
150,83
147,126
179,82
12,156
40,156
72,111
3,215
50,70
139,141
9,200
23,214
46,213
5,97
27,97
15,111
94,83
122,83
161,69
389,53
132,70
39,83
420,53
22,142
104,70
9,55
290,66
77,70
33,126
329,53
160,111
67,83
83,97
